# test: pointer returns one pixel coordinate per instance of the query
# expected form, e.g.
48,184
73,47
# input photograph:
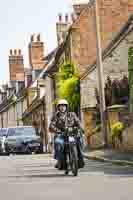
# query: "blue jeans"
59,147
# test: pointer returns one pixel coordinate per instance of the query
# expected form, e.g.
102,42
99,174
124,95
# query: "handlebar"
68,131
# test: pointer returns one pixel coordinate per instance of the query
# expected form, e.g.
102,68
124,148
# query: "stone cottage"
115,65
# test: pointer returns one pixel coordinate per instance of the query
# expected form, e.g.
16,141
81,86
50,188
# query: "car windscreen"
27,131
3,131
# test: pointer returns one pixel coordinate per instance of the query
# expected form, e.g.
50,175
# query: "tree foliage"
68,84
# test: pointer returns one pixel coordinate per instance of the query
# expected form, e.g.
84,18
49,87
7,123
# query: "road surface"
33,177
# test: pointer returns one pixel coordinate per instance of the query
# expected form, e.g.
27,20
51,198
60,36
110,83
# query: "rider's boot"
59,165
81,163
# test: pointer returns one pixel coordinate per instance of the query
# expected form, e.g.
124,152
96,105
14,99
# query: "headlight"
70,129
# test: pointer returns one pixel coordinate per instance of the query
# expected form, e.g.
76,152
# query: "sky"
21,18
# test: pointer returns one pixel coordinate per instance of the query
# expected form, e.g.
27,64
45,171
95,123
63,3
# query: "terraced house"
79,46
27,97
35,86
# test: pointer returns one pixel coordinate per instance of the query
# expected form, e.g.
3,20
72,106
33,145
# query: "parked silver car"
22,140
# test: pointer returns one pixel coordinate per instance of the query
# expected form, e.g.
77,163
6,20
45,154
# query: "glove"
82,131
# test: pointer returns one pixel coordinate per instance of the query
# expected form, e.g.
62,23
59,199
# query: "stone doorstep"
102,159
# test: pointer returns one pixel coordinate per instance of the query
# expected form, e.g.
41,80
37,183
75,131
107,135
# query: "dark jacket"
60,121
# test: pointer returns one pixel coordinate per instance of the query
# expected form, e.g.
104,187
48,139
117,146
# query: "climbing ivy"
68,84
130,64
130,69
130,58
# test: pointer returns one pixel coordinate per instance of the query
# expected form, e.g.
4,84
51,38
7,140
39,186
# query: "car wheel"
38,151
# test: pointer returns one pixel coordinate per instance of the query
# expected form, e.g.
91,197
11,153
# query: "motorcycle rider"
58,125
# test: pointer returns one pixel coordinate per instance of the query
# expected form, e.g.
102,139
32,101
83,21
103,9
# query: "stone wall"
87,90
89,125
49,98
121,114
127,140
115,65
114,114
12,119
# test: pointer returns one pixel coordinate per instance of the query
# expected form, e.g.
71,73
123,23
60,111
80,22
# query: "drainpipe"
2,120
45,125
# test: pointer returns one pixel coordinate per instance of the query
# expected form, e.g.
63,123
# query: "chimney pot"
60,17
15,52
66,18
19,51
10,51
38,38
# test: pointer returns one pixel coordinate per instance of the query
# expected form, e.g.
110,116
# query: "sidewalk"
110,156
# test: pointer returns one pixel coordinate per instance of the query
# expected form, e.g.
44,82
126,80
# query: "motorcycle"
71,160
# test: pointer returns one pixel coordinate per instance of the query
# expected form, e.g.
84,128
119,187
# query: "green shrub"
97,129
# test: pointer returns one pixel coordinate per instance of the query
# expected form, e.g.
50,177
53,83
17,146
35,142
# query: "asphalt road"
34,178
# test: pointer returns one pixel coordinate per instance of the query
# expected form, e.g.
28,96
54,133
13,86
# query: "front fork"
68,156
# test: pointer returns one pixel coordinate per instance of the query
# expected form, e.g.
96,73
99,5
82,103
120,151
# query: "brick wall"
36,52
113,14
16,66
88,86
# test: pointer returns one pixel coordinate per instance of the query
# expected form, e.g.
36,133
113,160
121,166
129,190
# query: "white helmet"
62,102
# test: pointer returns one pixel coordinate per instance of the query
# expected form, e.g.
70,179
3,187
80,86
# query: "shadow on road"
108,169
41,176
47,170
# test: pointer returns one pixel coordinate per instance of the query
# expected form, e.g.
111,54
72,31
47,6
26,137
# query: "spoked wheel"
74,160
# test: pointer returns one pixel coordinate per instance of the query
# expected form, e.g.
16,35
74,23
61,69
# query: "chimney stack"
36,52
28,77
62,27
16,65
60,17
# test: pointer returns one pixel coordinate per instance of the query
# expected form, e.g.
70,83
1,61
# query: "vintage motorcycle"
71,149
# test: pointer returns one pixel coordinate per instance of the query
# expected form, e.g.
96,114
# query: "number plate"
71,139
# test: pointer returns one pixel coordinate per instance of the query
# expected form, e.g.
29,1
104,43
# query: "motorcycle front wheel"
74,160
